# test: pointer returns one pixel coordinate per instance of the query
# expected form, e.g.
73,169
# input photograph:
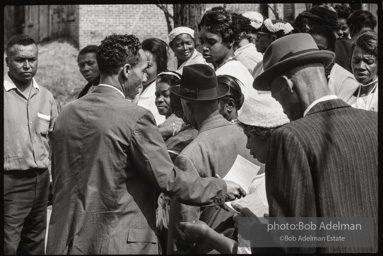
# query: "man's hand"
194,231
234,190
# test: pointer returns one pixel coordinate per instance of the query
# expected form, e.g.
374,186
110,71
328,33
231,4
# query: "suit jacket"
212,152
325,165
108,159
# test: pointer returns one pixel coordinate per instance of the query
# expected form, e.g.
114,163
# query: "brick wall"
98,21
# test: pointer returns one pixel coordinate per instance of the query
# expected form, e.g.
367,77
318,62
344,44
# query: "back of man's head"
360,19
117,50
20,40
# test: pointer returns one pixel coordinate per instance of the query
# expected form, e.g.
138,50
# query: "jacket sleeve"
149,154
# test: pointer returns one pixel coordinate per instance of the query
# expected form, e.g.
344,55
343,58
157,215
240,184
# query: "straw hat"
262,110
199,83
288,52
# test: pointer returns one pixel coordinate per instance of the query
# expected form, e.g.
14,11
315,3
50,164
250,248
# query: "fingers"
237,207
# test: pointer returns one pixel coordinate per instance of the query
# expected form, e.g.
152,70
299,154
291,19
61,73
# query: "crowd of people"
138,160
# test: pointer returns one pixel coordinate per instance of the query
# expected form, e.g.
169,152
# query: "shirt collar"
107,85
324,98
9,84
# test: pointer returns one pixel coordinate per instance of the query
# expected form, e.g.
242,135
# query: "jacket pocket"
44,123
140,235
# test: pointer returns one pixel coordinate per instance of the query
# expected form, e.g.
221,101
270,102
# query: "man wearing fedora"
325,162
212,153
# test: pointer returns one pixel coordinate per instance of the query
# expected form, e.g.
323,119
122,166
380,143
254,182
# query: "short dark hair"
368,42
116,51
21,40
235,91
360,19
88,49
327,33
159,49
219,21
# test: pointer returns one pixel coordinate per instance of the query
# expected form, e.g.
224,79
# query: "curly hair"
368,42
116,51
235,91
242,28
218,21
159,49
343,12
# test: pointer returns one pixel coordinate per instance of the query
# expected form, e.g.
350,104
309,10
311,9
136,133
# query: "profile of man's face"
288,100
22,62
136,76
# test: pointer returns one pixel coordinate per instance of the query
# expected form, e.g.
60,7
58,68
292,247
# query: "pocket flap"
141,235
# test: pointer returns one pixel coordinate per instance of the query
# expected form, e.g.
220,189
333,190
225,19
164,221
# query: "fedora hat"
199,83
262,110
289,52
323,14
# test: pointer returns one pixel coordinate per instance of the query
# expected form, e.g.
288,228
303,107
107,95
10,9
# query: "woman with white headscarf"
182,42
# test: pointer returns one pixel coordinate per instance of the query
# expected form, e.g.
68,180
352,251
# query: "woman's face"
213,48
343,29
183,46
364,65
163,99
151,71
263,41
257,146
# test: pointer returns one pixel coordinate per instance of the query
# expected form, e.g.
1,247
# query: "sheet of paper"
255,204
242,172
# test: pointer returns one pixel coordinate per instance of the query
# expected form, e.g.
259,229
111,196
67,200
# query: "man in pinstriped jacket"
325,162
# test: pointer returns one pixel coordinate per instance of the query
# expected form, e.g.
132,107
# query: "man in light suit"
325,162
108,160
213,152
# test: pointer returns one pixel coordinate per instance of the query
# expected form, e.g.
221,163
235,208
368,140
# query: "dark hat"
323,14
199,83
287,53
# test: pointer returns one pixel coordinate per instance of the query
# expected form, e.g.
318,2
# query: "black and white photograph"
152,127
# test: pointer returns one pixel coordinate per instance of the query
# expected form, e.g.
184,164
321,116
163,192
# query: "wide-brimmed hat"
256,19
287,53
322,14
262,110
199,83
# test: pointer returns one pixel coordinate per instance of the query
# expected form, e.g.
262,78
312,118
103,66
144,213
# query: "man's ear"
288,83
190,108
126,70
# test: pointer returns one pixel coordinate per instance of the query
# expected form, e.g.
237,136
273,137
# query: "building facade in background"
89,24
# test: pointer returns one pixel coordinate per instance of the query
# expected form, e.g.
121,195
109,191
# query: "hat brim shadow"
262,82
221,88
